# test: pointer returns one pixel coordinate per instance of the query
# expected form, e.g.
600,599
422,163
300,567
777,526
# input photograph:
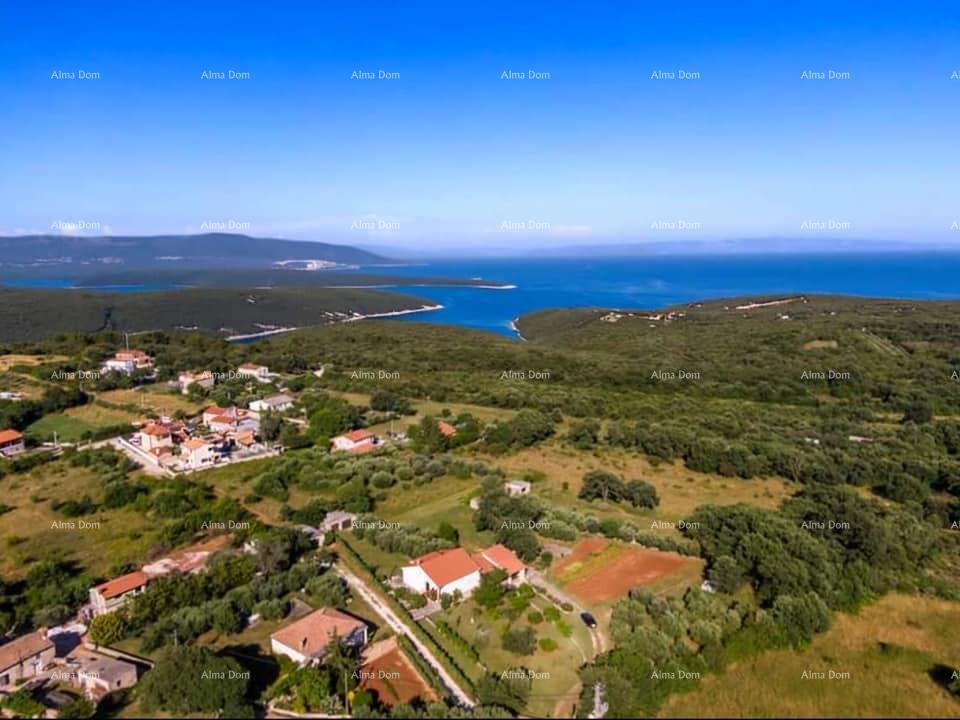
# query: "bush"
534,617
548,644
522,641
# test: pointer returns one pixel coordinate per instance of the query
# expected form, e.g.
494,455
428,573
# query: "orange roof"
195,444
503,558
123,584
358,435
445,566
311,635
10,436
154,429
446,429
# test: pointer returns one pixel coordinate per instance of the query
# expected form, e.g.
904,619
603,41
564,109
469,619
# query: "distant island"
227,313
33,255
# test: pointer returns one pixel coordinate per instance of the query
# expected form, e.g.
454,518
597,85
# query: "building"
23,658
337,520
515,488
115,593
206,380
274,403
355,441
446,572
11,395
446,429
232,419
306,640
155,435
11,443
500,557
260,373
128,361
196,453
98,675
443,572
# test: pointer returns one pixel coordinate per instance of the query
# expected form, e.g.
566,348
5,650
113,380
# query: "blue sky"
451,154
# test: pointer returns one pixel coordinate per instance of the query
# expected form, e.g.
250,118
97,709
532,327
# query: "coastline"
393,313
353,318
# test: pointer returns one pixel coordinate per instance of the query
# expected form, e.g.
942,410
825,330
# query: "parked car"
589,620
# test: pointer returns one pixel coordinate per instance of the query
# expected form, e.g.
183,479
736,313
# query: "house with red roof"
113,594
445,572
446,429
305,641
355,441
11,443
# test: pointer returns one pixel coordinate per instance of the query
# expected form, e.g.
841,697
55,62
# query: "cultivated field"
889,650
393,677
11,360
599,571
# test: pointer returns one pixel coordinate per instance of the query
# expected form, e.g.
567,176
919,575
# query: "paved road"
401,628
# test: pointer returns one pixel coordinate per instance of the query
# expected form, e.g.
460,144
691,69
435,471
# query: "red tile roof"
445,566
504,558
123,584
7,436
311,634
156,430
358,435
446,429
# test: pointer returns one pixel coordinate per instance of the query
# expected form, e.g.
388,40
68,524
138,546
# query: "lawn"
66,427
445,499
554,673
888,649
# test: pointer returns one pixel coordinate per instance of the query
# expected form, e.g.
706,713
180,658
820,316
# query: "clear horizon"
452,150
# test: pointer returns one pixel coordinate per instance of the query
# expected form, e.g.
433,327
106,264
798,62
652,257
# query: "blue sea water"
651,282
655,282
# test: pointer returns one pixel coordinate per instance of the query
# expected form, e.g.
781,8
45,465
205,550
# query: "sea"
648,282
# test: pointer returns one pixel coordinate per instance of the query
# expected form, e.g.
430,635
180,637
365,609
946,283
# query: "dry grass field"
10,360
888,650
681,490
28,533
156,398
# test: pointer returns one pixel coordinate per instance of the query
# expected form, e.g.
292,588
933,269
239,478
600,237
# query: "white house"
11,443
206,380
306,640
115,593
355,441
260,373
128,361
515,488
442,572
274,403
197,453
154,436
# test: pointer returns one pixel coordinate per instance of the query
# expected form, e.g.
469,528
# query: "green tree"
109,628
192,679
